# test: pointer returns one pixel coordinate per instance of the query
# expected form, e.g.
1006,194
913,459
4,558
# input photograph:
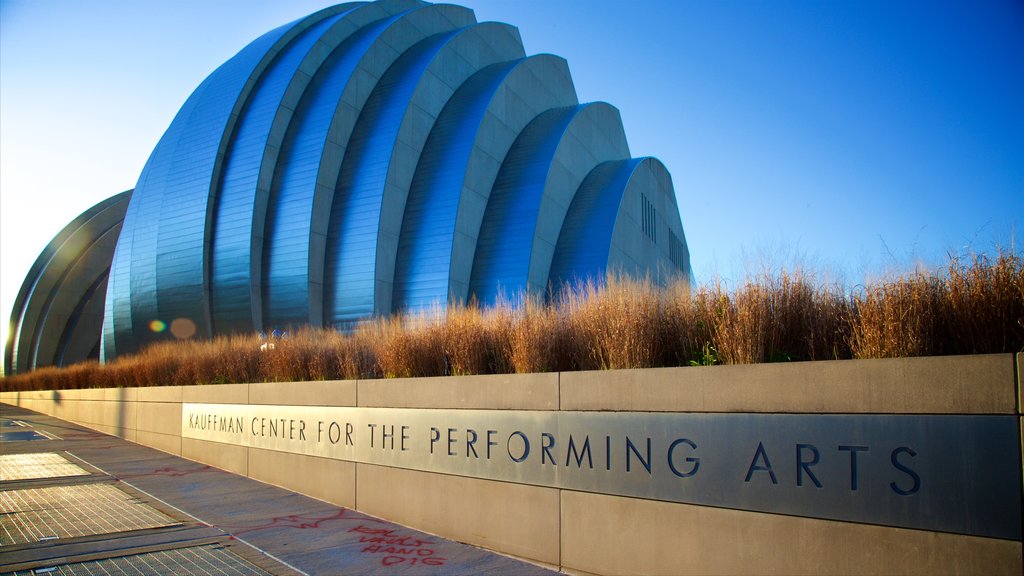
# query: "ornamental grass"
974,305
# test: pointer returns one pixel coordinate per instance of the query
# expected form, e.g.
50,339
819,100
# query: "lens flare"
157,326
183,328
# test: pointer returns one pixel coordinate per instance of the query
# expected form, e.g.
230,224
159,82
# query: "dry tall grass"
539,339
615,324
784,317
975,305
476,341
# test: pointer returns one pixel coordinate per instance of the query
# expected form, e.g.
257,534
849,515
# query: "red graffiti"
93,447
397,548
294,521
68,435
170,472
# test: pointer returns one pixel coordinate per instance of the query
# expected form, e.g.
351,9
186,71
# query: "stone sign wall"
909,465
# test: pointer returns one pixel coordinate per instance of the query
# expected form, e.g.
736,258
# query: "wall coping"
976,384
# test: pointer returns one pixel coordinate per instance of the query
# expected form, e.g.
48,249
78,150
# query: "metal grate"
210,559
39,465
25,435
36,514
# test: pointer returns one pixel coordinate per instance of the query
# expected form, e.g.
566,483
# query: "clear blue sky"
850,136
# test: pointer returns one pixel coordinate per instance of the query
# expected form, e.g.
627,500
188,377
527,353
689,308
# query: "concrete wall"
582,532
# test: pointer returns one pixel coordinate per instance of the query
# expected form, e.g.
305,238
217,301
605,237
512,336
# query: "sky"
849,137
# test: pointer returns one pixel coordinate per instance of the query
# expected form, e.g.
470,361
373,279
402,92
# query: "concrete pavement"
78,501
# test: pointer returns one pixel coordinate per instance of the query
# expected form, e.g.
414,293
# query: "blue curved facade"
231,276
58,313
368,159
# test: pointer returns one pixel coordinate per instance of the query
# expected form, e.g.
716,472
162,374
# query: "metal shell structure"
368,159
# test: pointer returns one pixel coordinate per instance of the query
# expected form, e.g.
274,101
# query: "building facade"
368,159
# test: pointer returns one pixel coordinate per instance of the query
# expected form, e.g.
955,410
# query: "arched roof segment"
457,170
159,268
532,193
63,290
660,252
623,219
311,158
231,278
20,313
381,160
287,244
71,301
585,238
80,336
238,254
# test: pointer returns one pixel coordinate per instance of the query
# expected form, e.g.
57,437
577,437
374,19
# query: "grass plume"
974,305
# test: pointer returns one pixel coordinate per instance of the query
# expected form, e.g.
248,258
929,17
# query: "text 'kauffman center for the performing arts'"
367,159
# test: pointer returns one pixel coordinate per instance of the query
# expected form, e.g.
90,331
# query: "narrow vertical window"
649,218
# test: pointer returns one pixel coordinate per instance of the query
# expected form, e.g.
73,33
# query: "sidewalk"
81,502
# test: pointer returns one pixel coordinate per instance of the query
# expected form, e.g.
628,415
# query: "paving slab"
217,517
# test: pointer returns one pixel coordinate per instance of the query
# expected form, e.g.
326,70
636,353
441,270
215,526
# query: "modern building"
367,159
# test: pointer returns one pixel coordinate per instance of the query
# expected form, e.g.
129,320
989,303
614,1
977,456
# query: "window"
676,252
649,217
